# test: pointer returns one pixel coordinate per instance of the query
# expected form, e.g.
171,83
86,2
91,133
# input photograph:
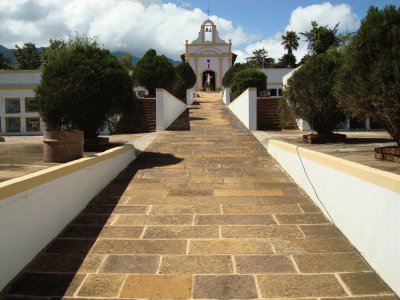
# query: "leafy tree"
185,71
155,71
287,61
28,57
185,79
228,77
248,77
82,86
57,49
304,59
321,38
126,60
260,59
310,92
4,62
290,41
369,84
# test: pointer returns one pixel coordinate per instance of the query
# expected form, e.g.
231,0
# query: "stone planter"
391,153
323,139
62,146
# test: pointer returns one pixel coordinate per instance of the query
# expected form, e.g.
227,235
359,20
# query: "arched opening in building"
208,81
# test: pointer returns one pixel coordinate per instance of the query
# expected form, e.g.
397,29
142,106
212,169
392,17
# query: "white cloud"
126,25
300,21
324,14
137,25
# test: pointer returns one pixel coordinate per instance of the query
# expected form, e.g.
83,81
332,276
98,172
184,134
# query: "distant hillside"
120,53
135,59
8,53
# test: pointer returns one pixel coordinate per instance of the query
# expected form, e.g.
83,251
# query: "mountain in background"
8,53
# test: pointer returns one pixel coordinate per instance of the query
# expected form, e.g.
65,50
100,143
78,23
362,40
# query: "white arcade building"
209,56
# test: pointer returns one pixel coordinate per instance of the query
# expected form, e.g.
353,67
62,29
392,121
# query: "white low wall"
168,109
363,202
190,96
226,97
36,207
245,108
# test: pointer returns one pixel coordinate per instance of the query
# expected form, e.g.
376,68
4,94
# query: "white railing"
36,207
363,202
245,108
168,109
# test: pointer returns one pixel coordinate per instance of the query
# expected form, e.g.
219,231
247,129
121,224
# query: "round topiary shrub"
246,78
155,71
227,79
185,79
82,85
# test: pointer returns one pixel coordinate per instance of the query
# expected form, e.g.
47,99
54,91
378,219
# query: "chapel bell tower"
209,56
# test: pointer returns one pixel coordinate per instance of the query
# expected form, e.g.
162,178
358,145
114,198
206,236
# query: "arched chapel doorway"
208,81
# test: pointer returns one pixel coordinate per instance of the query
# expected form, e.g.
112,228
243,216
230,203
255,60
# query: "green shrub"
82,86
155,71
287,115
185,79
227,79
369,84
310,92
246,78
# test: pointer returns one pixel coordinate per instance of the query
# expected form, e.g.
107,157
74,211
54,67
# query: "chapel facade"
209,56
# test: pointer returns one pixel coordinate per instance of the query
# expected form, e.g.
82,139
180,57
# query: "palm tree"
290,41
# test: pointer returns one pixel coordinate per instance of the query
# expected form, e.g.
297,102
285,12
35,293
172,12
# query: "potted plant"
82,86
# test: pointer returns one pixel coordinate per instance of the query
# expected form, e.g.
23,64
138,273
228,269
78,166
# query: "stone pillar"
368,124
347,123
22,115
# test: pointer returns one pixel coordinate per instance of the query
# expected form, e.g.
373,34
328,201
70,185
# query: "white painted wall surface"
245,108
288,75
168,109
30,219
212,48
226,97
363,202
20,77
303,125
275,76
190,96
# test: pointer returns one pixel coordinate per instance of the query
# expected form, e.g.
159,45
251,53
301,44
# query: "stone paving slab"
204,213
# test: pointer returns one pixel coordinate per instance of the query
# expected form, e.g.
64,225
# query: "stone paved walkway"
204,214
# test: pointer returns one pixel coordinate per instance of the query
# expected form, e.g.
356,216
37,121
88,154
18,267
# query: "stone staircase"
267,114
142,120
268,117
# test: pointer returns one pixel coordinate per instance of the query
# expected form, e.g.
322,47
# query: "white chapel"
209,56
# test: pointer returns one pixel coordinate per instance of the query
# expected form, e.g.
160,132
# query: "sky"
134,26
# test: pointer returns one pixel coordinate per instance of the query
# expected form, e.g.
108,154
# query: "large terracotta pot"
62,146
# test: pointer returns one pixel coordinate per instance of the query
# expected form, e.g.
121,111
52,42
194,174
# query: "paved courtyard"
204,213
22,155
359,146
